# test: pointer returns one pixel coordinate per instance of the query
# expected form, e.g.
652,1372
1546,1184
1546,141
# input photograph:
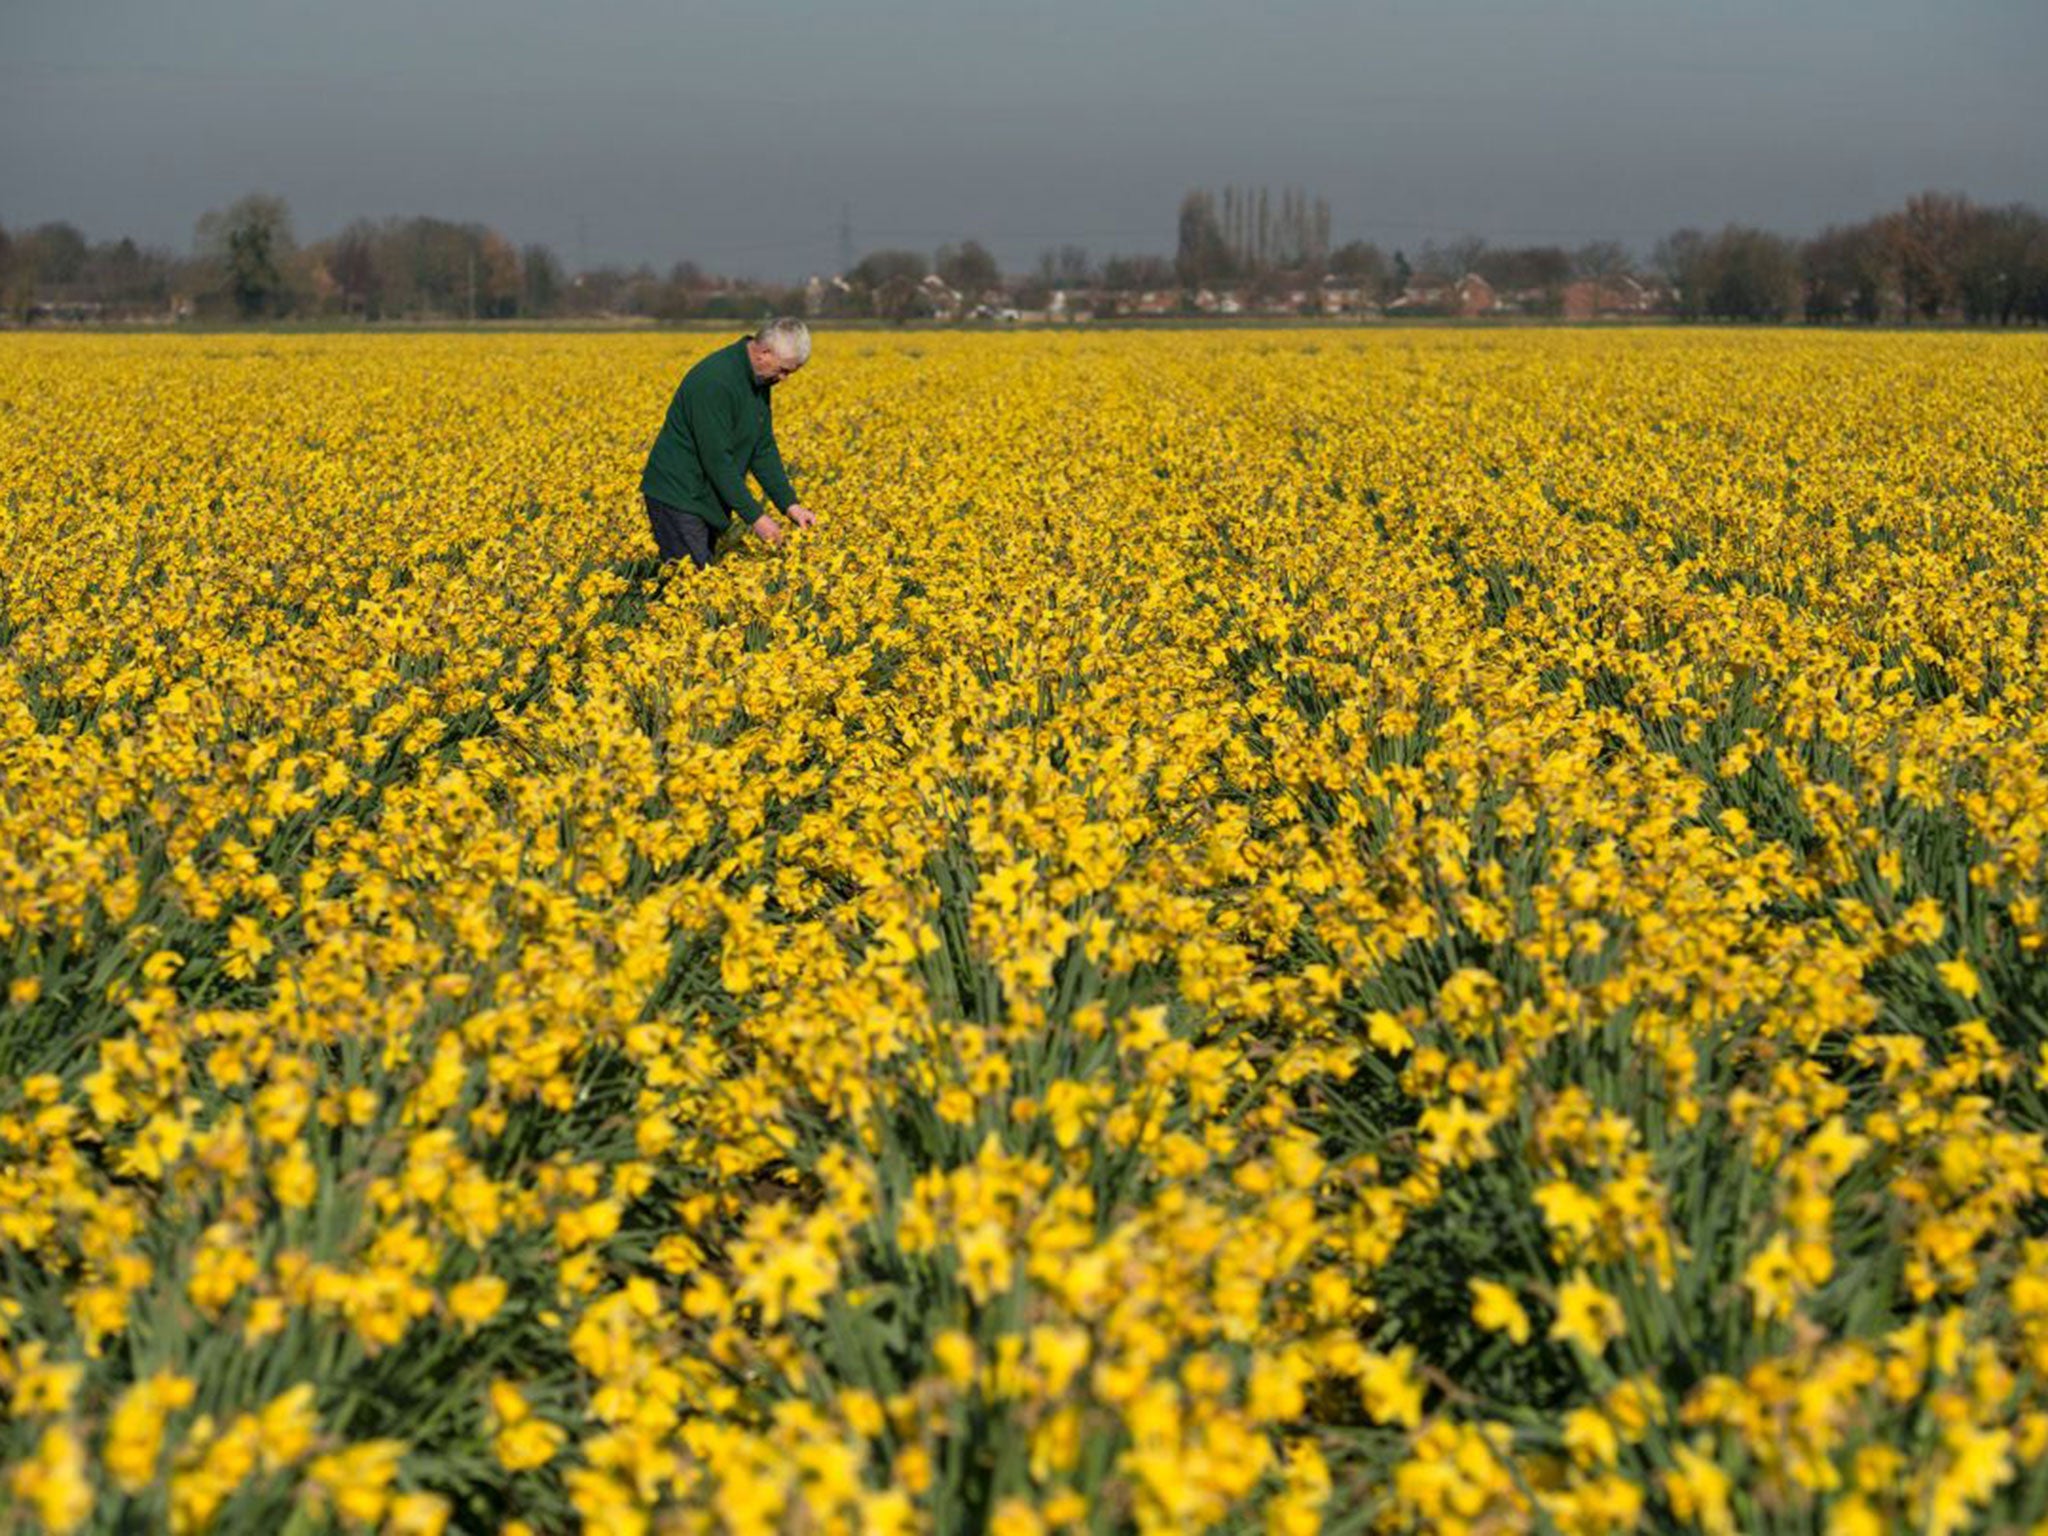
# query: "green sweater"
719,427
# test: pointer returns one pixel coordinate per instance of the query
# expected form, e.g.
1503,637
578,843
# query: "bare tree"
352,267
1927,236
2003,250
123,277
1602,262
968,269
52,260
540,281
1130,273
889,280
1202,255
1361,263
252,240
1738,274
1843,273
1535,274
1681,257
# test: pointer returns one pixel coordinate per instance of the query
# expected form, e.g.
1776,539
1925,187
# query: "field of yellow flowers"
1272,931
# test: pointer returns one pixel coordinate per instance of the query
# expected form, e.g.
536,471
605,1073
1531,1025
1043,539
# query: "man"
719,427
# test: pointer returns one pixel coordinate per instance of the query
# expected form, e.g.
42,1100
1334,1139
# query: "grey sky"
629,130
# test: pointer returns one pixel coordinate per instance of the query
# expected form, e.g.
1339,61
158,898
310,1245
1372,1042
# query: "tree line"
246,263
1939,257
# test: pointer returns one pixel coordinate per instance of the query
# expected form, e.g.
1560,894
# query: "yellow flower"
862,1412
135,1428
288,1424
41,1388
1495,1309
247,946
1274,1389
266,1317
1391,1392
523,1442
1699,1492
1587,1316
1590,1438
1773,1279
1059,1354
1015,1517
523,1446
357,1479
912,1469
1853,1515
475,1301
1960,977
294,1180
955,1353
417,1514
53,1482
1976,1463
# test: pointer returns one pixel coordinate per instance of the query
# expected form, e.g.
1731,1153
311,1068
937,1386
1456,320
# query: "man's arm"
774,479
768,470
714,428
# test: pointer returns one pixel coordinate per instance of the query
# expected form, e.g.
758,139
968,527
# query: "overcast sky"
631,130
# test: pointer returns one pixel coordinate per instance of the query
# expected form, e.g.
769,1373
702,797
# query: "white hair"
788,338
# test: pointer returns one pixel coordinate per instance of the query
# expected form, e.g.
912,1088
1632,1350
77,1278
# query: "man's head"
778,349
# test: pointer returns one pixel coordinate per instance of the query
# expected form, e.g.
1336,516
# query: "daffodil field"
1266,931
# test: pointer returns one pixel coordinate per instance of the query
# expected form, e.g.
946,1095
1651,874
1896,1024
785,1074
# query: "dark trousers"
678,533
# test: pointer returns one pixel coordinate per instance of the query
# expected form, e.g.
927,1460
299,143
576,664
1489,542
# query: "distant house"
944,300
1475,296
1340,296
1619,296
70,311
1468,296
1065,305
832,295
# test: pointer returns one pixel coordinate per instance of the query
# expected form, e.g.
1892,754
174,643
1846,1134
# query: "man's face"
770,367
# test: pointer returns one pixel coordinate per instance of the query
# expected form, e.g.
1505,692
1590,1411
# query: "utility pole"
845,238
472,282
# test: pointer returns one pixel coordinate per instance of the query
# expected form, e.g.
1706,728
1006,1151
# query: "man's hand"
769,530
800,514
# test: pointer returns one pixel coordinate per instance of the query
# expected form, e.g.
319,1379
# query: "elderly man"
719,428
